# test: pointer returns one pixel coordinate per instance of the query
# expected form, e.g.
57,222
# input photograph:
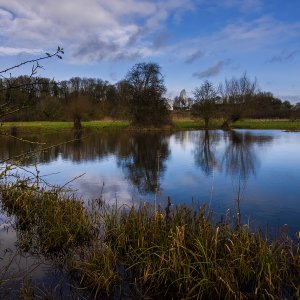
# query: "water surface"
260,168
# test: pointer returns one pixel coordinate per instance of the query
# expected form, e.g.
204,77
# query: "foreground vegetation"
147,252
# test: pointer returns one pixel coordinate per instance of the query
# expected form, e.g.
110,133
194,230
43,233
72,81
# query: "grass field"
180,124
47,126
268,124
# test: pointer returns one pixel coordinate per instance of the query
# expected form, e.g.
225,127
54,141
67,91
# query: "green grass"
267,124
243,124
196,124
47,126
184,124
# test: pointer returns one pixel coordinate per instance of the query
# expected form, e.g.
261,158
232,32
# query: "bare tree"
236,98
8,85
206,98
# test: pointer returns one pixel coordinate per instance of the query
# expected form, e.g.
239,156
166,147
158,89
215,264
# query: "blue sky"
191,40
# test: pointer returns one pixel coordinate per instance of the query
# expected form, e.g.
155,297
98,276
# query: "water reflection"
142,156
205,155
145,160
240,158
237,157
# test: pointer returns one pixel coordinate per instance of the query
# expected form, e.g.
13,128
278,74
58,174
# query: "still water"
260,168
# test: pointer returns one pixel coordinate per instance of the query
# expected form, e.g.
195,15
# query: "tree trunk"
226,125
77,123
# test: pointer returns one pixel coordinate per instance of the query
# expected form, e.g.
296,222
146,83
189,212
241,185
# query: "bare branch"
57,54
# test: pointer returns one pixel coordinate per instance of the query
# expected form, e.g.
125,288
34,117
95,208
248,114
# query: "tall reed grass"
181,253
140,252
48,221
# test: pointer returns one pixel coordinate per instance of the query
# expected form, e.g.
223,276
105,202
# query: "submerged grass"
48,220
175,253
179,253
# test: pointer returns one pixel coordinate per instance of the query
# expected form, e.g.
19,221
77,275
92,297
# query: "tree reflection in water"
205,156
239,159
142,156
145,163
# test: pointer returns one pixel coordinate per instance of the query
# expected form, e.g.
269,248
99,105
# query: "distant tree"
17,93
80,107
236,98
49,108
265,105
206,97
147,105
124,98
295,112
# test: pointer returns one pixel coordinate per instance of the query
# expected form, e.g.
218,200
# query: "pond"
260,168
253,172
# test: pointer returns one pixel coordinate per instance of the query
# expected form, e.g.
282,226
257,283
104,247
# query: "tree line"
238,98
139,97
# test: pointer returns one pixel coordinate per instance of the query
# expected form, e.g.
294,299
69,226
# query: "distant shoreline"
180,124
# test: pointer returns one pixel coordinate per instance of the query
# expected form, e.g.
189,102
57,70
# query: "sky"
192,40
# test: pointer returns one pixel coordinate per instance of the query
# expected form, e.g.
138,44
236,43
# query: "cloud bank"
92,30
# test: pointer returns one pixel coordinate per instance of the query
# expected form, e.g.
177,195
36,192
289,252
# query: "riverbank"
152,252
180,124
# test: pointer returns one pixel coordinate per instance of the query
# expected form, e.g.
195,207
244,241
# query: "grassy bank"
268,124
173,252
180,124
58,126
242,124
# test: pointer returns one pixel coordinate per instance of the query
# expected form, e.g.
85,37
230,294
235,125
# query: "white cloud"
120,28
265,29
245,37
17,51
243,5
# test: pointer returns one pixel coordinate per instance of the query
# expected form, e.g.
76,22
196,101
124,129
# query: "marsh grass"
49,221
182,253
174,253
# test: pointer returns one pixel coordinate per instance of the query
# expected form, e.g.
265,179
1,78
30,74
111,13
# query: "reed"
48,221
150,253
182,253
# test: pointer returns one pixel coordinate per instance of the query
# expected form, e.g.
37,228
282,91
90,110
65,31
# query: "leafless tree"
206,98
237,94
